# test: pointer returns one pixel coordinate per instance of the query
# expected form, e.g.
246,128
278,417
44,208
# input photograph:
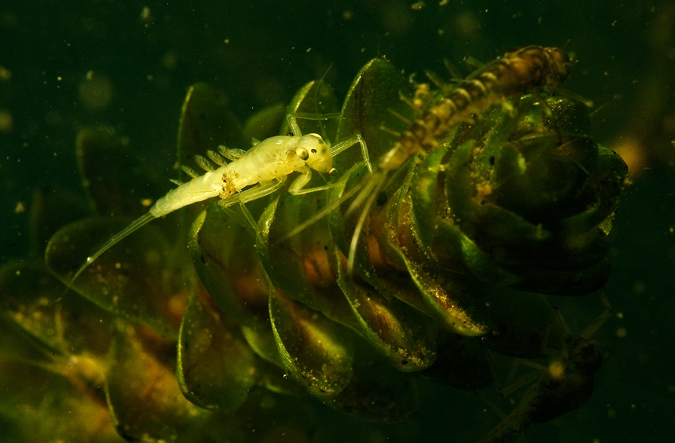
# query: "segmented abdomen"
516,73
196,190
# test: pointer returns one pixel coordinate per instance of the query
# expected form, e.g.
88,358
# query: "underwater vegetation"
216,322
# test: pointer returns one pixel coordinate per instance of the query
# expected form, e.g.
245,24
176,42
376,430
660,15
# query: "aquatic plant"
160,342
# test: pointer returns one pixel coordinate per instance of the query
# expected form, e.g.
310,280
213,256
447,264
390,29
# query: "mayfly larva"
516,73
267,164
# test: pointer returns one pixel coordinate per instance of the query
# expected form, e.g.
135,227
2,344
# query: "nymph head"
561,64
316,153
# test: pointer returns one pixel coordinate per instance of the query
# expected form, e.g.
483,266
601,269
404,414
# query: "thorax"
272,158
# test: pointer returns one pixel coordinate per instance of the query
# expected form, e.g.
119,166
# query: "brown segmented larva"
524,70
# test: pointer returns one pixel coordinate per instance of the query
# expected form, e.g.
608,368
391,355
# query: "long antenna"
134,226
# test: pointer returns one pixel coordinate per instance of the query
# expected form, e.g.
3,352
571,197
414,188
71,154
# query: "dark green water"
260,52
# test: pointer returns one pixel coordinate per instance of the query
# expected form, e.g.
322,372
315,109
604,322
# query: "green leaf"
451,244
458,192
262,341
315,351
224,255
497,227
342,227
373,101
401,335
216,368
453,297
303,266
424,190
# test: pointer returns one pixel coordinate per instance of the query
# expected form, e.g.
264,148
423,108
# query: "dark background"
142,56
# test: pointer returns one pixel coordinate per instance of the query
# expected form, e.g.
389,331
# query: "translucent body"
272,159
265,167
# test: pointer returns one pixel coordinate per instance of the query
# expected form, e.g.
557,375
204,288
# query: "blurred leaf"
266,418
497,229
34,300
39,378
206,123
566,116
274,379
461,362
380,393
116,180
142,391
314,106
521,322
565,282
264,123
43,405
16,344
272,373
216,368
609,181
135,279
53,207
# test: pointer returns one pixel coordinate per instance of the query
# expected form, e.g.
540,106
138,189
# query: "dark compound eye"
313,151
